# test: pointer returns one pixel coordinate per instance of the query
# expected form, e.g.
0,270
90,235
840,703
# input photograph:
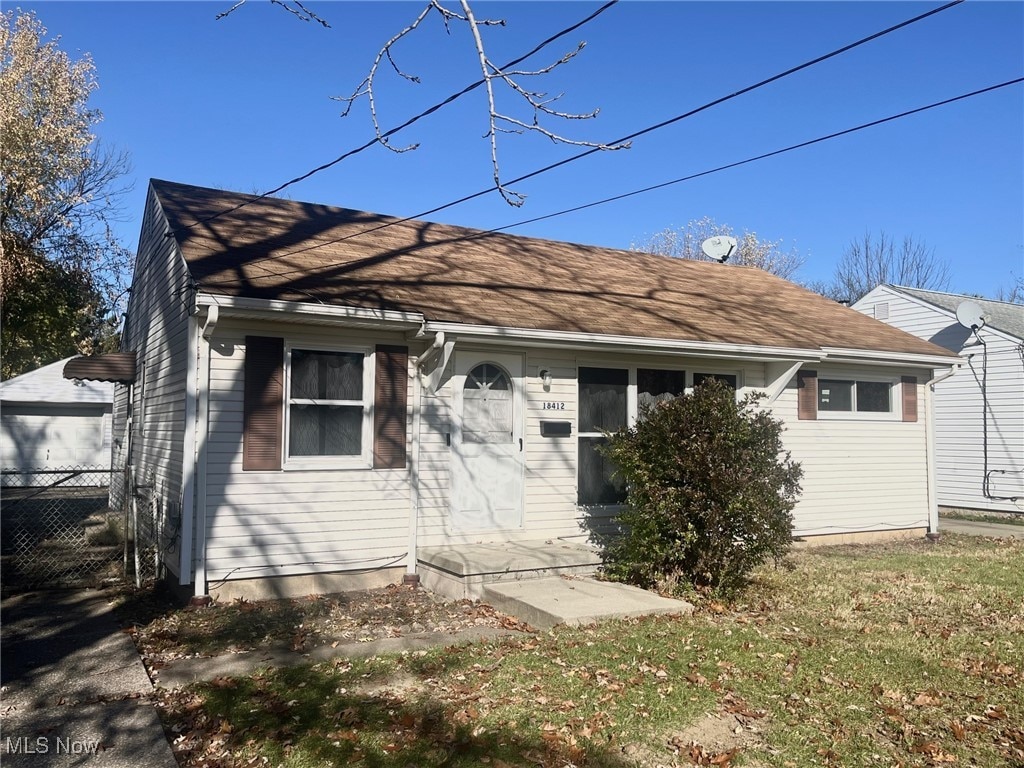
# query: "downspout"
411,576
188,460
202,442
929,429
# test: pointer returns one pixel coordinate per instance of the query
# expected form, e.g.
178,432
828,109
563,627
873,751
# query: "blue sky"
243,103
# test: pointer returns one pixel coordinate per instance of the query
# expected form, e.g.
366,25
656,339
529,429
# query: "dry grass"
908,654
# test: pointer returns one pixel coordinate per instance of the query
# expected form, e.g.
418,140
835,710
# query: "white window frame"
632,406
363,460
895,412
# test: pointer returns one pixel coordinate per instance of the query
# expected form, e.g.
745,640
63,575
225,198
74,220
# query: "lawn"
908,654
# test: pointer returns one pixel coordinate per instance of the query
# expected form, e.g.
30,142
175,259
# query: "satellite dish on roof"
969,315
719,247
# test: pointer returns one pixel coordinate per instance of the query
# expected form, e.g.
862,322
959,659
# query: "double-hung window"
602,409
609,401
328,399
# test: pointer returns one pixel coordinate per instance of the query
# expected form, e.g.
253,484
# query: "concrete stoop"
464,571
544,603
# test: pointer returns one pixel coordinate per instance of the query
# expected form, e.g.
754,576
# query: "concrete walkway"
980,528
73,687
184,672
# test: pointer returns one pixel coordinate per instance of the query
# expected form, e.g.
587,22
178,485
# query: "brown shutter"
909,398
390,396
262,435
807,394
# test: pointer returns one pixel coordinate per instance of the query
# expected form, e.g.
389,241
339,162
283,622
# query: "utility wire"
406,124
623,139
764,156
718,169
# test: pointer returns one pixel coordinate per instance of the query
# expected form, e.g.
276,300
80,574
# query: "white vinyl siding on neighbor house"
157,330
860,473
297,520
958,403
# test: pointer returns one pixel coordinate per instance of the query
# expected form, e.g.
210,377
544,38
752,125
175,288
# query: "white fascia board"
532,337
296,311
878,357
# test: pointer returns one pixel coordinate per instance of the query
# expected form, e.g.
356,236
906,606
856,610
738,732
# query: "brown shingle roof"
294,251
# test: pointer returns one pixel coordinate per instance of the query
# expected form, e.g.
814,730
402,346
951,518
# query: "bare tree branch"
873,260
498,121
293,7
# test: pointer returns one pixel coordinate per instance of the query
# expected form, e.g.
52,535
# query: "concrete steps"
462,571
545,603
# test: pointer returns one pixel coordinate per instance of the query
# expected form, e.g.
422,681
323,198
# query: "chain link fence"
57,529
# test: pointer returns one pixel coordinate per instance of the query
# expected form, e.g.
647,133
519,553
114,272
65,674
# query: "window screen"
654,386
873,396
602,399
602,406
325,403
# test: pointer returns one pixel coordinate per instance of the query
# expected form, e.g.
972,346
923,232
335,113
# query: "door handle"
520,445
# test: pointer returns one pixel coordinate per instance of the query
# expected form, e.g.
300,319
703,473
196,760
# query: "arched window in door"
487,405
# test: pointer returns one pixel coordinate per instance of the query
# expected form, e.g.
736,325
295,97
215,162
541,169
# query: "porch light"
545,378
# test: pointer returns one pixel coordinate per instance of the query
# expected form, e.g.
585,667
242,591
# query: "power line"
629,137
378,139
863,126
764,156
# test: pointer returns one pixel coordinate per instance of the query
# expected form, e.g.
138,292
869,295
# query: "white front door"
487,442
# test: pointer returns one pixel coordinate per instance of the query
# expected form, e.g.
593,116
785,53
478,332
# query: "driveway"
74,690
979,528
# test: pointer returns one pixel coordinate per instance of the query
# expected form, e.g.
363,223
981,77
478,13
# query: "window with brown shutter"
390,397
909,397
263,403
807,395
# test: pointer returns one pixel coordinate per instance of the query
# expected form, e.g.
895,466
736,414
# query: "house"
48,422
979,412
327,397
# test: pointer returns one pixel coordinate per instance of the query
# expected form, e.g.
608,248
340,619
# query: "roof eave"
596,342
882,357
304,312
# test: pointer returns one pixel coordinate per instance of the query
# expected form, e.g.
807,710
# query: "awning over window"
118,367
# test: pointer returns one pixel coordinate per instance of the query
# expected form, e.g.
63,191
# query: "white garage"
49,422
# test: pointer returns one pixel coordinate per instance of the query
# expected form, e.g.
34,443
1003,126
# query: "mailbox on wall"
556,429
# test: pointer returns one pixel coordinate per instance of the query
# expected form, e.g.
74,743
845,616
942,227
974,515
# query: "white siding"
860,474
550,492
959,421
156,330
293,521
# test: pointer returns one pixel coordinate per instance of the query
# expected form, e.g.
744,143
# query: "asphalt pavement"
979,528
73,689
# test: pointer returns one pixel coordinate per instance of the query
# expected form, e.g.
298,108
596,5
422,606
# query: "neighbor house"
979,412
48,422
327,397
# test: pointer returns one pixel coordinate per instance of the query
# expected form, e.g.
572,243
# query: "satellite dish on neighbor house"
719,247
969,315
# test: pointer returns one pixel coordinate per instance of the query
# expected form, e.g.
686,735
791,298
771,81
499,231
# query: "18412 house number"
550,406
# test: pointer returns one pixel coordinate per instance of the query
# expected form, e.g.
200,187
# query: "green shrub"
710,492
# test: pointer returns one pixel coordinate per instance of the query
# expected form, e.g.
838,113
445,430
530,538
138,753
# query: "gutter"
531,337
877,357
300,311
